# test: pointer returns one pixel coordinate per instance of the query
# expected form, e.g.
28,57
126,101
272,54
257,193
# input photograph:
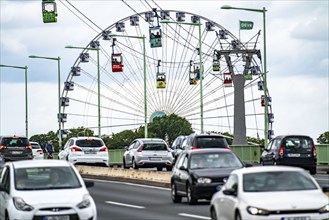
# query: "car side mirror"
126,147
182,168
89,183
325,189
3,189
248,165
230,192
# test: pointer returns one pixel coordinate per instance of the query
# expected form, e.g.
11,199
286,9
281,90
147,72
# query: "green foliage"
323,138
170,127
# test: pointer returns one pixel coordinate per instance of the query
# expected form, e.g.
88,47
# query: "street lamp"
265,69
200,64
98,82
144,58
59,95
26,106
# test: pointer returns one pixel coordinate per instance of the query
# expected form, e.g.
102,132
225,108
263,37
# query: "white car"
271,192
44,189
37,151
85,150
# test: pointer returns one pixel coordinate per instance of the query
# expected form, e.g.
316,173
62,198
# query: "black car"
198,174
291,150
15,148
177,146
196,141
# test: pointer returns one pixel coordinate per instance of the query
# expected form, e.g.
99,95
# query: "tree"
323,138
170,127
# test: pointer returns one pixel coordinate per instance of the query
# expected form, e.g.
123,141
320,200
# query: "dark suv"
195,141
15,148
291,150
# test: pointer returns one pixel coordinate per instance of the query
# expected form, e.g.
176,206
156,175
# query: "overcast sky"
297,56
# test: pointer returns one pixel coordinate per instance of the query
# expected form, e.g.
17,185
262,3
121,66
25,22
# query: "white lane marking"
132,184
193,216
126,205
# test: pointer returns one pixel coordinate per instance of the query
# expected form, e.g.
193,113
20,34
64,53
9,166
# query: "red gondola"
117,65
227,79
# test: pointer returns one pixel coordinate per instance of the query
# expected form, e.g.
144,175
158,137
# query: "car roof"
208,150
292,135
39,163
12,136
207,135
151,140
260,169
85,137
33,142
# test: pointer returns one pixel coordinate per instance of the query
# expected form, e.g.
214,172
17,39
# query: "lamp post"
144,58
26,105
265,69
59,94
98,84
200,64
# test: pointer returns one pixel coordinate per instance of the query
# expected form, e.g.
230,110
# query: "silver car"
148,153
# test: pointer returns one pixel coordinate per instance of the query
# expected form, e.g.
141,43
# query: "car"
270,192
198,174
196,141
291,150
176,146
37,151
148,153
44,189
85,150
15,148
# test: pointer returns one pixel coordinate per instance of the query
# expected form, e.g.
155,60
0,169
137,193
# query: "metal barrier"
248,153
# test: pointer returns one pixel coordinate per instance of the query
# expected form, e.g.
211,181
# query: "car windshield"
277,181
35,146
15,142
214,160
154,146
89,143
211,142
41,178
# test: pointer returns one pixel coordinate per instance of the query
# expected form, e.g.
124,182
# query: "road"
119,200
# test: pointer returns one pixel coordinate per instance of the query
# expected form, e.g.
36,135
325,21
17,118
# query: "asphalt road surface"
119,200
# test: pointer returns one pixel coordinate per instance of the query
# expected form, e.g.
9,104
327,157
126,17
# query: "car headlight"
204,180
324,209
21,205
85,203
256,211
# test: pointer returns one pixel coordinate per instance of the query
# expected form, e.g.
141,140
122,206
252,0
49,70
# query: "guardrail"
249,154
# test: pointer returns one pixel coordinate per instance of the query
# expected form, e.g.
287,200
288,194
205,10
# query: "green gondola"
49,11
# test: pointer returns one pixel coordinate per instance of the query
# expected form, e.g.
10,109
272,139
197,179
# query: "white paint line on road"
126,205
193,216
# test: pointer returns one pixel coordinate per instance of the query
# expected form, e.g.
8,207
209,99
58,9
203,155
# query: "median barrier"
154,178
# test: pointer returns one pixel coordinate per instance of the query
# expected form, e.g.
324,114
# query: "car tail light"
281,152
140,148
3,147
75,149
40,151
195,148
228,147
314,151
29,147
103,149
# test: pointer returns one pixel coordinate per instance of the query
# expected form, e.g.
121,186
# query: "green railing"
249,154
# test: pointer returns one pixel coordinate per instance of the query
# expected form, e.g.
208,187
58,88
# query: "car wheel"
159,168
262,163
238,216
174,197
190,195
134,164
124,164
169,168
6,216
274,163
213,214
313,171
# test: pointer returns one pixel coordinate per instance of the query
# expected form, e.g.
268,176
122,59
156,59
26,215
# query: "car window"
89,143
277,181
211,142
35,146
154,146
17,142
5,178
215,160
298,144
180,159
40,178
232,182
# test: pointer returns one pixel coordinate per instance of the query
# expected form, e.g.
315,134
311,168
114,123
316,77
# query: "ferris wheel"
178,62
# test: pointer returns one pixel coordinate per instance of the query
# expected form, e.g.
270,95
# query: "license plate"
57,217
16,152
293,155
90,152
297,218
155,158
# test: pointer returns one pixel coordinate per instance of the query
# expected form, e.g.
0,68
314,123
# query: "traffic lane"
322,179
118,200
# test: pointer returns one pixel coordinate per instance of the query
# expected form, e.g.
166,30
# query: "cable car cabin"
192,79
106,35
227,79
134,20
210,26
180,16
248,76
84,57
49,11
195,19
270,117
161,81
260,85
215,63
155,37
165,15
222,34
68,86
62,117
117,65
269,101
120,27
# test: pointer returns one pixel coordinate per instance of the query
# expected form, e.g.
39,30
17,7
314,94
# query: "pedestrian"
49,149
